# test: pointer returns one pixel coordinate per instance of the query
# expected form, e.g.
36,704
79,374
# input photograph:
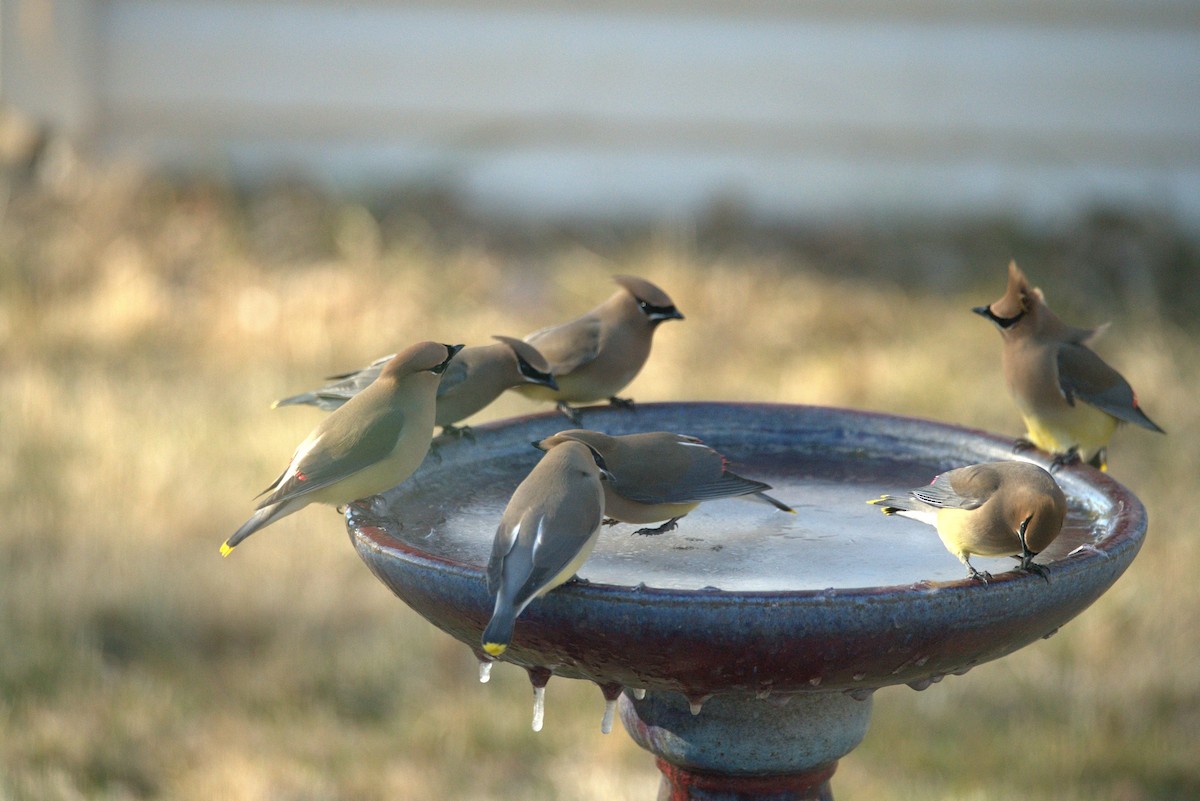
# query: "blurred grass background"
147,325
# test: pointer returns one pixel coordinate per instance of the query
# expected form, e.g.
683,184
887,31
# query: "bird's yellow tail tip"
494,648
887,510
226,548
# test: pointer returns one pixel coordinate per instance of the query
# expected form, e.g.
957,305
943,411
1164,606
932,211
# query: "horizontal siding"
658,108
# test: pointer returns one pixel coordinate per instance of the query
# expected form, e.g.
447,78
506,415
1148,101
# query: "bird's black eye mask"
599,460
1003,322
659,313
451,350
533,374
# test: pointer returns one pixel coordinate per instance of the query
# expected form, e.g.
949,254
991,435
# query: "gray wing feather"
1084,375
568,346
941,495
375,441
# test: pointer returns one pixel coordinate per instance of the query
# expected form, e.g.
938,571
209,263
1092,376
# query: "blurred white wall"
865,107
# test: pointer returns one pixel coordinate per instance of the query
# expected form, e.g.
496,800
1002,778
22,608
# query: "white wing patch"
538,537
513,533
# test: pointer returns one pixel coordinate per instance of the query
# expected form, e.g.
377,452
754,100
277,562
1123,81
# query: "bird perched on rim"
993,509
1070,399
476,377
548,529
370,444
661,476
596,356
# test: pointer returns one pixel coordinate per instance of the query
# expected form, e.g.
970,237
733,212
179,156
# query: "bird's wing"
957,489
530,554
373,369
698,486
328,462
695,474
559,537
568,346
1084,375
338,388
502,545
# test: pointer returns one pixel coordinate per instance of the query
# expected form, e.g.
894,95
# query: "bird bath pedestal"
745,646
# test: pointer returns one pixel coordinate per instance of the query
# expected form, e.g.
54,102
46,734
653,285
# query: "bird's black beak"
451,350
537,443
984,311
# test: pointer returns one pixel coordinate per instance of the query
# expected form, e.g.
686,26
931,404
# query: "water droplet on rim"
639,693
606,723
539,706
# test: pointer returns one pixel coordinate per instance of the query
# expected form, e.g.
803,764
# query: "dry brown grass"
147,326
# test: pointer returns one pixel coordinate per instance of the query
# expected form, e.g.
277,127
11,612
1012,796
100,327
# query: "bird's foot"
577,579
458,432
1029,566
433,449
979,575
622,403
670,525
367,511
1100,460
1068,459
609,521
566,411
1022,444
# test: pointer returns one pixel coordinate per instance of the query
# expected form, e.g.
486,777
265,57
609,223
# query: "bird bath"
745,645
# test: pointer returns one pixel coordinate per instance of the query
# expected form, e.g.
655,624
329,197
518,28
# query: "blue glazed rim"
707,641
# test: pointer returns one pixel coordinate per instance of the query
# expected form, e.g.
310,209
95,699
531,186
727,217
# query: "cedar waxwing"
661,476
547,531
371,444
1070,399
595,356
993,509
474,379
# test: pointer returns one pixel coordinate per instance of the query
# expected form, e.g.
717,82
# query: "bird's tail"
778,504
261,518
498,633
890,504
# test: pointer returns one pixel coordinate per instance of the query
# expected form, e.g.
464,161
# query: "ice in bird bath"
835,539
